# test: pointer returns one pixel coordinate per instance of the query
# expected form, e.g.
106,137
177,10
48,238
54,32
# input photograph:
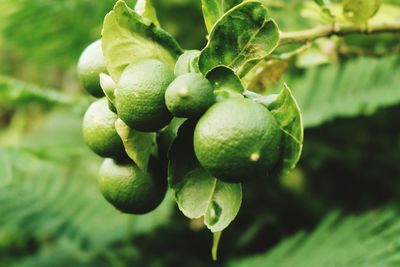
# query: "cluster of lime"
234,139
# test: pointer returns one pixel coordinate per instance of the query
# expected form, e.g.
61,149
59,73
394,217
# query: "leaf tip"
214,250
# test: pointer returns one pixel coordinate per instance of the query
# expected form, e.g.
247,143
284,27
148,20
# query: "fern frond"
372,239
50,204
357,87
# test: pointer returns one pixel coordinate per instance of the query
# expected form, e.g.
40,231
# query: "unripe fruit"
139,97
91,63
237,140
189,95
99,130
129,189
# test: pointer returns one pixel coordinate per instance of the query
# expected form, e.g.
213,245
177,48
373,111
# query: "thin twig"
337,29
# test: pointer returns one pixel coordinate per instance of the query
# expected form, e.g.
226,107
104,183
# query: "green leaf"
214,249
197,193
265,74
224,81
128,38
360,11
288,115
108,86
146,9
357,87
18,93
187,62
138,145
61,201
214,9
65,38
241,38
323,4
369,239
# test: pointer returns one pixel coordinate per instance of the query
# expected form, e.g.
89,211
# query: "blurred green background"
52,214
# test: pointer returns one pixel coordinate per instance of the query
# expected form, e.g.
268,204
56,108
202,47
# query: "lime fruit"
129,189
91,63
189,95
237,139
139,97
99,130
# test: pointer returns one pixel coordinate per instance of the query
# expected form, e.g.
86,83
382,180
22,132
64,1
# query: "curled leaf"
224,81
288,115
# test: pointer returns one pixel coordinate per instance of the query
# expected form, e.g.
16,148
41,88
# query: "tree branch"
338,29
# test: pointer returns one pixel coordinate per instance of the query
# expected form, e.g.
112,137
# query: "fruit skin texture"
129,189
139,97
237,139
91,63
189,95
99,130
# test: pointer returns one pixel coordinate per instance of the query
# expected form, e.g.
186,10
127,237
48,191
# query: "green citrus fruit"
139,96
99,131
189,95
129,189
237,139
91,63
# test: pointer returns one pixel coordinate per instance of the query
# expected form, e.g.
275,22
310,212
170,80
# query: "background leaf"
128,38
16,93
360,11
197,193
357,87
243,36
214,9
323,4
369,239
55,205
5,170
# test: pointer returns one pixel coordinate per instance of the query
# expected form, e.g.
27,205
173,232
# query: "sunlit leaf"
128,38
146,9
